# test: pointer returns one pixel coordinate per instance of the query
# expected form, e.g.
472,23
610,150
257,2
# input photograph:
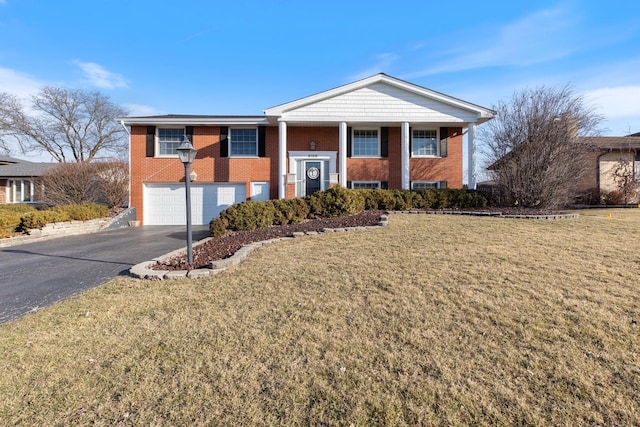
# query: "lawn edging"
143,270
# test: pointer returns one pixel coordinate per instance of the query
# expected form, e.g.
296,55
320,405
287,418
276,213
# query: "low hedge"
339,201
10,215
85,212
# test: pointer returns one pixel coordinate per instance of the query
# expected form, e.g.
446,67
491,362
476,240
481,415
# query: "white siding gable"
380,102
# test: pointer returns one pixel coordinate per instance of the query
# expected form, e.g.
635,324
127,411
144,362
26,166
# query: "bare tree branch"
534,147
70,125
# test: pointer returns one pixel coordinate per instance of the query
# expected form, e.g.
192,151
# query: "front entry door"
313,176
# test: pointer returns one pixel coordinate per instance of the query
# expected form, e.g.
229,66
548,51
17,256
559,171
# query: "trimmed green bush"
20,208
335,202
9,222
83,212
39,219
248,215
290,211
217,227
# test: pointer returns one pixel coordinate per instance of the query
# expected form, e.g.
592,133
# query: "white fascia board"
196,120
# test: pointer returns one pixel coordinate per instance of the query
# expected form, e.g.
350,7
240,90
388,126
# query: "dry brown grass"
434,320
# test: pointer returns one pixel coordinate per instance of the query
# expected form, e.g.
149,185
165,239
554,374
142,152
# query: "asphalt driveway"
35,275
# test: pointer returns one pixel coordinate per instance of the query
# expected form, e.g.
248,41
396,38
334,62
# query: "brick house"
605,154
379,132
19,180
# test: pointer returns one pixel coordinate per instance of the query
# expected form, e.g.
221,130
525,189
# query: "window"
243,142
366,143
169,140
425,185
359,185
636,167
424,143
19,191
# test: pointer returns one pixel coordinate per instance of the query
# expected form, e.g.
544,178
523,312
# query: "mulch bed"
223,247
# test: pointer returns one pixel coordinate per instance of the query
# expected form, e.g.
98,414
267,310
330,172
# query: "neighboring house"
605,154
19,180
379,132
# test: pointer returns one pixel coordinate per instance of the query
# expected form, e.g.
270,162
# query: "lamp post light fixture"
187,154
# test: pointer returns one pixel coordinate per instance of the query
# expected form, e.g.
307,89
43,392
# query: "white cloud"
616,102
138,110
99,76
19,84
540,37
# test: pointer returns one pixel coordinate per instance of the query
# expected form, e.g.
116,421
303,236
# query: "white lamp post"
187,155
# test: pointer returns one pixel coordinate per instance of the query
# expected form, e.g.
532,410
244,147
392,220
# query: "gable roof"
377,98
10,167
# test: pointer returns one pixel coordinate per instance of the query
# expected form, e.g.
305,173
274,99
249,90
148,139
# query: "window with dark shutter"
151,141
189,133
349,143
444,141
444,184
384,142
262,141
224,141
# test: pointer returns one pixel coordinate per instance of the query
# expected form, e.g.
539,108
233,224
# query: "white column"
471,156
405,172
342,135
282,160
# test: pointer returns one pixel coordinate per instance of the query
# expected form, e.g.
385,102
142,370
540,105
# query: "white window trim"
242,156
421,156
353,131
437,183
11,191
379,183
157,150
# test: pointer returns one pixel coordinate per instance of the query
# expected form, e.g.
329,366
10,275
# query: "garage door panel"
164,204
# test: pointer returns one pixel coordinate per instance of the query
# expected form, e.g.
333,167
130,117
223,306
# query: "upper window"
243,142
169,140
366,143
424,143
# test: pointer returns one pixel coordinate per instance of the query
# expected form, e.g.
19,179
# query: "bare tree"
624,177
9,104
534,147
70,125
83,182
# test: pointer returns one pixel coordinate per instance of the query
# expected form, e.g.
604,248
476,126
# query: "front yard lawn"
433,320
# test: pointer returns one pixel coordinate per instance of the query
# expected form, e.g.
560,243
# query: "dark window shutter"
444,184
224,141
348,184
189,133
384,185
349,143
410,142
384,142
262,141
444,141
151,141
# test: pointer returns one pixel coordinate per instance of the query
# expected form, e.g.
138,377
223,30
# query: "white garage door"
165,204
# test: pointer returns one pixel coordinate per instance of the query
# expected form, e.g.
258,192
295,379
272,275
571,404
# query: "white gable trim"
477,113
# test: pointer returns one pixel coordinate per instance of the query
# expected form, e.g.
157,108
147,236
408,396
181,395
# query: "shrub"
9,222
248,215
39,219
613,198
217,227
334,202
83,212
20,208
290,211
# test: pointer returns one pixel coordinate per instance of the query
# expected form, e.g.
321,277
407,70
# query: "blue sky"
241,57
